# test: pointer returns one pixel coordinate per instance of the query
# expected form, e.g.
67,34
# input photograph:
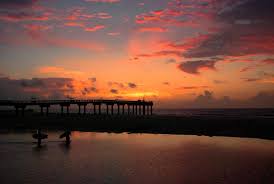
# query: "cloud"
194,67
152,29
103,1
95,28
268,61
47,88
114,33
176,13
23,16
251,79
166,83
87,91
191,87
43,88
173,48
220,81
132,85
35,30
246,28
93,79
163,53
103,15
114,91
84,14
263,78
116,84
17,3
263,99
74,24
170,61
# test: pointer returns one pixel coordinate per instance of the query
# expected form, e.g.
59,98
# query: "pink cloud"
103,15
114,33
35,30
95,28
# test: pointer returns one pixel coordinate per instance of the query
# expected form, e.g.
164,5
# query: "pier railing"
139,107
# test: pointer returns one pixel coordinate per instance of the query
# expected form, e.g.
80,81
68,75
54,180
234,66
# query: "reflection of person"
68,137
39,137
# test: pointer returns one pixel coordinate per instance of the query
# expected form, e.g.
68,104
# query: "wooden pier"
138,108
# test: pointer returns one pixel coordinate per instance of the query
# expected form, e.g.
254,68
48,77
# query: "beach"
208,125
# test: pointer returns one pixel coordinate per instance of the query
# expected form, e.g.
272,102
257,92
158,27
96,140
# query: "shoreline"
259,127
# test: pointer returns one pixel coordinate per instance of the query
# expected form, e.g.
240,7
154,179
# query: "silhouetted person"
39,136
66,134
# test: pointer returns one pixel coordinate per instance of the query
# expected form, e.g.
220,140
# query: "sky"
178,53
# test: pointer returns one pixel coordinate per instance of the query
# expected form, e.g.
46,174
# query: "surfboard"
39,136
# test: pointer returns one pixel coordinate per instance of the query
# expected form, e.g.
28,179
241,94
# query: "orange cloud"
153,29
74,24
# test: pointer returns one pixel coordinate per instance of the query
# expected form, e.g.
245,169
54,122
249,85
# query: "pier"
137,108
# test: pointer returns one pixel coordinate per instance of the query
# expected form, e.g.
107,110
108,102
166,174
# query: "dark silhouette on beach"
136,118
67,135
39,136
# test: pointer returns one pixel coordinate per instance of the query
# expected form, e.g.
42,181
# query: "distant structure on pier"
139,107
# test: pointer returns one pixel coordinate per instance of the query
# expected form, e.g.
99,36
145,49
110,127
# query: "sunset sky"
178,53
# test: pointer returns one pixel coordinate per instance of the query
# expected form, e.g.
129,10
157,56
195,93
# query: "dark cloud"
166,83
268,61
191,87
252,10
35,82
262,99
93,79
194,67
170,61
39,87
90,90
114,91
219,81
208,100
120,85
132,85
12,16
16,3
116,84
251,79
247,29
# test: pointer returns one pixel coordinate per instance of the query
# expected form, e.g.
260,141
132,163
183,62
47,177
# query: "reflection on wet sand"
138,158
